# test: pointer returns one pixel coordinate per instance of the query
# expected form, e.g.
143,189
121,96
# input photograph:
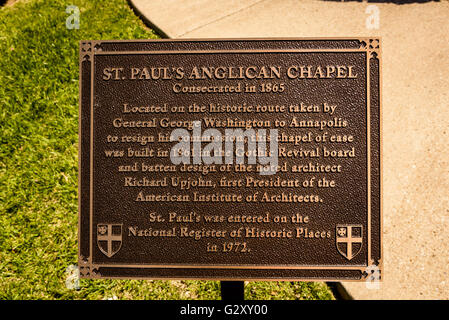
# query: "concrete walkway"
415,48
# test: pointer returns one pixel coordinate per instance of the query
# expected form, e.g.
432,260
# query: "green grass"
38,158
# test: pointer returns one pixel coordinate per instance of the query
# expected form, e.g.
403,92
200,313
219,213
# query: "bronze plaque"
234,159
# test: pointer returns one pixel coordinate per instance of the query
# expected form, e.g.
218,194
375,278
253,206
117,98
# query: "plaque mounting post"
232,290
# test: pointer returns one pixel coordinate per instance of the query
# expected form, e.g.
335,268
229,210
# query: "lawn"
39,158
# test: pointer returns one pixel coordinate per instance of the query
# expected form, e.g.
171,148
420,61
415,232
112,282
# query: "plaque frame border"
89,269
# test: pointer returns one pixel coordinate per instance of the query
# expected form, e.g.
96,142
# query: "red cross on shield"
349,238
109,238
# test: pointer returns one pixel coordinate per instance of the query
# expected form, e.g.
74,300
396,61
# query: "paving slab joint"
147,22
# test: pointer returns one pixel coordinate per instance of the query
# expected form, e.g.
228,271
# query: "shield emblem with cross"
109,238
349,239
